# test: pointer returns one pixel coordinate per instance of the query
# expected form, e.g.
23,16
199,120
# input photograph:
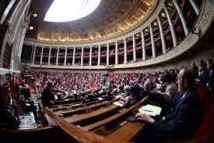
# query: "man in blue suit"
183,121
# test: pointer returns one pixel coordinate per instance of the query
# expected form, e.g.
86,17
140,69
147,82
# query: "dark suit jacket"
183,122
47,96
203,77
211,78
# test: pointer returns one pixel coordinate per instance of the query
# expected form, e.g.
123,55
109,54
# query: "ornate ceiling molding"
111,19
204,22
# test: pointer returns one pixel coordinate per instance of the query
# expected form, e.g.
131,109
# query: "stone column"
174,38
34,52
152,41
57,57
107,54
143,46
20,45
98,63
49,56
125,51
134,48
183,21
90,56
163,42
116,53
195,7
82,52
12,8
41,56
65,58
74,52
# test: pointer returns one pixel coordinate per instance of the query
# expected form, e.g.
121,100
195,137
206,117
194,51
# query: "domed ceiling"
111,18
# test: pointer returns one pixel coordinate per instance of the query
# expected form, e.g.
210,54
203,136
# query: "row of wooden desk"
102,118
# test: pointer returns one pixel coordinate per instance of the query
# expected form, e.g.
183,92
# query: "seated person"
88,98
210,67
171,88
133,98
127,90
112,87
47,95
183,121
164,99
12,113
147,86
108,95
59,96
203,74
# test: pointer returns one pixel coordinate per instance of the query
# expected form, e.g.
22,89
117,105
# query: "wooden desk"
120,114
127,131
93,114
77,133
82,109
63,107
67,101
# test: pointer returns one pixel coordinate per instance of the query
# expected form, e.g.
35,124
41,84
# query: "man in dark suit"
203,73
183,121
210,67
47,95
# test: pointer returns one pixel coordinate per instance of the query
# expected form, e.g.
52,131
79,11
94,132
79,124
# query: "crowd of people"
177,87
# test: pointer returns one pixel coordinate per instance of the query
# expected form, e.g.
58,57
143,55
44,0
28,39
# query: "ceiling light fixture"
31,28
35,15
70,10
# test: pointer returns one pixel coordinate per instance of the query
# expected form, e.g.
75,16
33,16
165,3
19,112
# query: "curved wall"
201,26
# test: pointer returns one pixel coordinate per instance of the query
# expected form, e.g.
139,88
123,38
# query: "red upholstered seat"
207,124
204,96
205,133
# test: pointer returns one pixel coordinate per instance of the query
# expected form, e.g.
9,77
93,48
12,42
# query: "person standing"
210,67
203,73
47,95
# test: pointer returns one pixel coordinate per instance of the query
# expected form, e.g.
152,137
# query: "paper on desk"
119,103
150,110
77,104
100,98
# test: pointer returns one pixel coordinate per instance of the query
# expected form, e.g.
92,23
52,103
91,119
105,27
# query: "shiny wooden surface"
127,131
77,133
84,108
121,113
124,133
91,114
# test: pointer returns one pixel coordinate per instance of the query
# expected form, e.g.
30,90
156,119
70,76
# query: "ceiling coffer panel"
112,17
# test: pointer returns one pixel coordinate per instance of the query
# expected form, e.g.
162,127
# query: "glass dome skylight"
69,10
